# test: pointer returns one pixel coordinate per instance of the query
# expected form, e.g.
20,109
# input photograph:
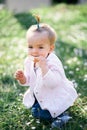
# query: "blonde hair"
43,27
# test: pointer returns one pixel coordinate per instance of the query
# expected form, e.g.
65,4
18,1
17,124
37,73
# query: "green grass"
70,23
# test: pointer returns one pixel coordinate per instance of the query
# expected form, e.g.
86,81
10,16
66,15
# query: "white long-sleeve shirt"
53,91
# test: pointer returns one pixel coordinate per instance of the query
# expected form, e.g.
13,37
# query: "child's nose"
35,51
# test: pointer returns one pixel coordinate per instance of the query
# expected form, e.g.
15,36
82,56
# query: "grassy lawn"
70,23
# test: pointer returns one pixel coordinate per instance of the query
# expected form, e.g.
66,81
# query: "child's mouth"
34,58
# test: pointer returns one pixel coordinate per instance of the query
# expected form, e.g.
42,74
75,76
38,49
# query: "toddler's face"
39,45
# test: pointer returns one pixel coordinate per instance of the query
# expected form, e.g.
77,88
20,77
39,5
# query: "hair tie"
38,21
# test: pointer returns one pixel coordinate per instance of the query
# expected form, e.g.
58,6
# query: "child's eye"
30,47
40,47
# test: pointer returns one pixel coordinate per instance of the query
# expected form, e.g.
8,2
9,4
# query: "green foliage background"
70,23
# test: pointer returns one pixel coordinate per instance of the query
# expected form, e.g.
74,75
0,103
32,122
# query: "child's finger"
18,74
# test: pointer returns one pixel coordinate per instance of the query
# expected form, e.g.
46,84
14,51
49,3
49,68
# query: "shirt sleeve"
55,75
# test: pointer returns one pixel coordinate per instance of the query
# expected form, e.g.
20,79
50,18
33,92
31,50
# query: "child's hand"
43,64
19,75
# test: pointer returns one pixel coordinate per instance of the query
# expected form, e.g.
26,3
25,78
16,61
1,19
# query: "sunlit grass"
70,23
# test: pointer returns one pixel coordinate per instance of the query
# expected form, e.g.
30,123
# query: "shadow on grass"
7,79
10,89
25,19
75,64
67,50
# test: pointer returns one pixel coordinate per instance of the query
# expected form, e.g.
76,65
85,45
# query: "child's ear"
52,47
